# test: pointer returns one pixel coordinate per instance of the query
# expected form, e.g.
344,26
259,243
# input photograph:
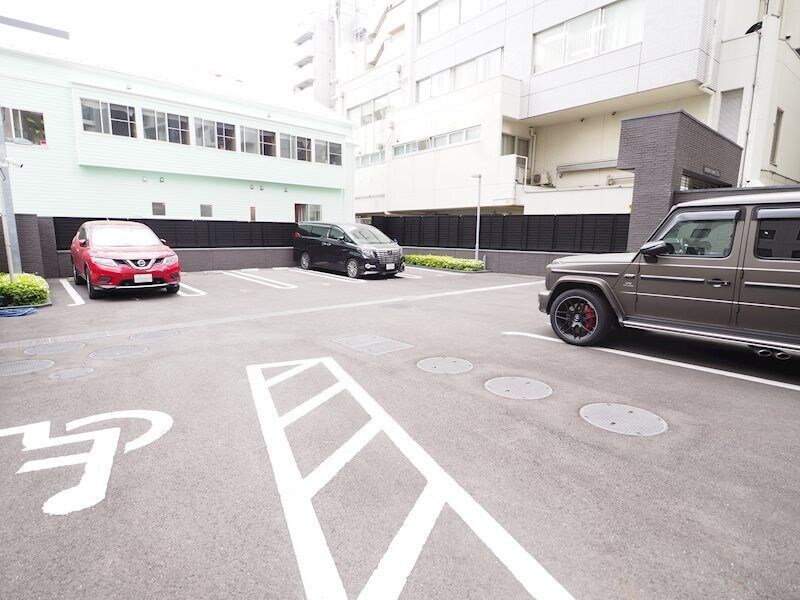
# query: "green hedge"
444,262
26,289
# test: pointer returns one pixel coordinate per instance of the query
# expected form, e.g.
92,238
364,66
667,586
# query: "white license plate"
390,266
143,278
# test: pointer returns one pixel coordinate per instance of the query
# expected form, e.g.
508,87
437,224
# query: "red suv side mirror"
83,243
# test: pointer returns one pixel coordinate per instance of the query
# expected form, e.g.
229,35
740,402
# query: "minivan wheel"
581,317
305,261
75,277
94,293
352,268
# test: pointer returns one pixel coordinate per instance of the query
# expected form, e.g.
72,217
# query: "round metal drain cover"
119,351
518,388
71,373
445,365
55,347
152,335
624,419
20,367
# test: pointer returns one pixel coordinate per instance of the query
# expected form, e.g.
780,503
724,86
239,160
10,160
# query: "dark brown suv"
726,269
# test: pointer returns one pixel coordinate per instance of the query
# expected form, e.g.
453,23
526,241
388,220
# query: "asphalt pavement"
234,444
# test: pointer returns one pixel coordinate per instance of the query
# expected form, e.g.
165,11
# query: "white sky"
248,40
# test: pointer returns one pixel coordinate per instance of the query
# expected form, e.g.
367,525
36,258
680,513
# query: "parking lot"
268,433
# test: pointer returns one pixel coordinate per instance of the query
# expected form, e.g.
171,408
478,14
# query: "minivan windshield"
369,235
123,236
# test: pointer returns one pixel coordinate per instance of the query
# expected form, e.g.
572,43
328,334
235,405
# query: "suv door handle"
325,244
718,282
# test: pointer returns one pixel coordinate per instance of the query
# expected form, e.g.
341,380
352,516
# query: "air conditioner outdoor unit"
543,179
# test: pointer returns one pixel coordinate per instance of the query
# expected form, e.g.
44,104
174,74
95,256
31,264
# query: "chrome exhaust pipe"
782,355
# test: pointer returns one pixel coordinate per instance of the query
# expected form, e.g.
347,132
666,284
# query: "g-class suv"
726,269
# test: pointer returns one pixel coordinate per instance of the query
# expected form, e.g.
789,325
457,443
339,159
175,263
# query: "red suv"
111,255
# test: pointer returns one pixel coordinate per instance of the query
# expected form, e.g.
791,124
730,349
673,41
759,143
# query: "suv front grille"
134,262
389,256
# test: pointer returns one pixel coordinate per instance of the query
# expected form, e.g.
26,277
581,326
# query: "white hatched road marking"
672,363
194,290
76,298
278,285
320,577
340,278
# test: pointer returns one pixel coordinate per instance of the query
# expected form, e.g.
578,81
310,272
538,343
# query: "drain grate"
71,373
518,388
152,335
20,367
54,347
624,419
119,352
372,344
444,365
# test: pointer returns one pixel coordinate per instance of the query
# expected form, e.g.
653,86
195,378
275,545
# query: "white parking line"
408,276
672,363
318,571
194,290
76,299
278,285
341,278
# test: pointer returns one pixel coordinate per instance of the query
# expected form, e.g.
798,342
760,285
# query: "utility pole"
7,209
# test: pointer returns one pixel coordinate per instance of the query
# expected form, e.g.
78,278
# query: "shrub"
24,290
444,262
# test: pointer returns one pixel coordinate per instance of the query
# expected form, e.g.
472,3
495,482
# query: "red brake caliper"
590,317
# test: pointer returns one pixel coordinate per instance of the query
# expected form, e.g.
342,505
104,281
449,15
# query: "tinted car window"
305,230
336,234
369,235
701,238
319,230
778,238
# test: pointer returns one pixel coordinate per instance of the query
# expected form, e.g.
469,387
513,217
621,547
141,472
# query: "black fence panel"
541,233
195,234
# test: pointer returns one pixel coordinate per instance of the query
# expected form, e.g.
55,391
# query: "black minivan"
354,249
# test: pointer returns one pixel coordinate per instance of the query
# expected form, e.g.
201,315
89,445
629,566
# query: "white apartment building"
530,94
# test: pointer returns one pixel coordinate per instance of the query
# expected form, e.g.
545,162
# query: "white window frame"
424,87
430,144
12,121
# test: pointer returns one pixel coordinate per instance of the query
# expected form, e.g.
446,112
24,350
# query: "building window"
226,136
438,141
304,149
447,14
267,143
165,126
288,148
159,209
327,152
463,75
776,137
103,117
612,27
367,160
252,213
205,132
307,212
206,210
23,126
694,183
249,142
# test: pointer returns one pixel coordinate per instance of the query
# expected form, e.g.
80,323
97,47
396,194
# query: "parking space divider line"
283,284
667,361
340,278
195,292
278,285
76,298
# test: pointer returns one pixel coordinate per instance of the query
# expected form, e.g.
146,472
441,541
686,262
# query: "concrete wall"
499,261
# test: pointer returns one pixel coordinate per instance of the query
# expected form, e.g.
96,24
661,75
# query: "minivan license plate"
143,278
390,266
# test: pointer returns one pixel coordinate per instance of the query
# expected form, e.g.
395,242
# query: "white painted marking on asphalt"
321,579
76,298
250,270
278,285
340,278
98,460
672,363
309,405
391,574
97,335
280,268
405,275
328,468
194,290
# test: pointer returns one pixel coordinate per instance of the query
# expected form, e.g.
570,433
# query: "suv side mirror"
83,243
654,249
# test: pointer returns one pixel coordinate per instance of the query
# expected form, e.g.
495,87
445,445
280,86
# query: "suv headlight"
170,260
104,262
367,253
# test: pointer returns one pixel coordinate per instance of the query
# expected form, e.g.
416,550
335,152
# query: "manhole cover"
119,352
152,335
20,367
518,388
71,373
624,419
55,347
446,365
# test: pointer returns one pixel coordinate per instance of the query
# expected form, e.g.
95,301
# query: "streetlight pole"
478,220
